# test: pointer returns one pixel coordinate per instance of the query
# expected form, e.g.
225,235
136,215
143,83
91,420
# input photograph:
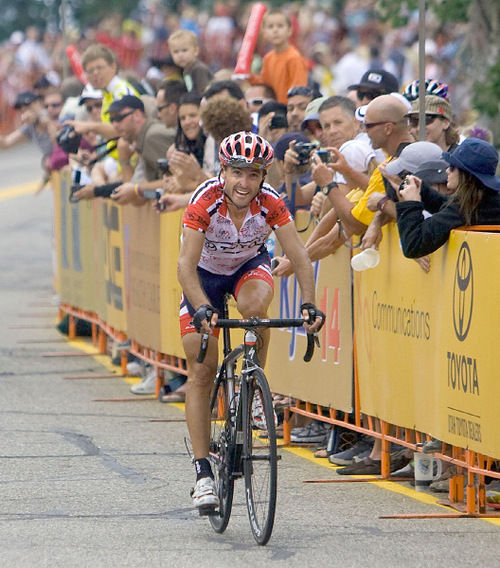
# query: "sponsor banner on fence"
328,378
425,341
141,245
74,238
170,290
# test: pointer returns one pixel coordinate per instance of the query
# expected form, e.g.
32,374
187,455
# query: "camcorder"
304,151
68,139
154,194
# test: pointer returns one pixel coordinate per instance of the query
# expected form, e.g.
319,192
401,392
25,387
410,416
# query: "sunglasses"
368,94
242,162
369,125
53,105
452,168
120,117
160,108
414,122
90,108
256,102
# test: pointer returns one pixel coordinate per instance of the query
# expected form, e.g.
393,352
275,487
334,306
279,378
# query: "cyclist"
225,227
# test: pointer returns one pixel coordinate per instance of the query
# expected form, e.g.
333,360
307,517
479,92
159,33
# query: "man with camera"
385,123
344,164
149,138
344,150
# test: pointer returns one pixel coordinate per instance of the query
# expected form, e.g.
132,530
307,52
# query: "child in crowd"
283,67
184,49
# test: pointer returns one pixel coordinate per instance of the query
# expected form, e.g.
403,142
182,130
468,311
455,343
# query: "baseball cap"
25,99
283,142
312,111
433,172
128,101
89,93
477,157
378,80
434,105
413,156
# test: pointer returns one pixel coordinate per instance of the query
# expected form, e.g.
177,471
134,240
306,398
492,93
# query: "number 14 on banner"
330,334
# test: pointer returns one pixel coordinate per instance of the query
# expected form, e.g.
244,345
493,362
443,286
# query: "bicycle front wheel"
260,460
221,450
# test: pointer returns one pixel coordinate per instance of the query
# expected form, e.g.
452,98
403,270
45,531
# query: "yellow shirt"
360,211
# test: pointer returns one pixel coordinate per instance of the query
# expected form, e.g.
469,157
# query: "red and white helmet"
246,150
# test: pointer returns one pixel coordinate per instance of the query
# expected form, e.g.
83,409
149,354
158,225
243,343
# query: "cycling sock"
203,469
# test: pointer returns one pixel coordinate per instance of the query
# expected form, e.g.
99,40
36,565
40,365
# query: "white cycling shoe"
204,496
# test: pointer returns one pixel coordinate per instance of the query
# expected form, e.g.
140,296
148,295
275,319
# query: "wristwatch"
327,188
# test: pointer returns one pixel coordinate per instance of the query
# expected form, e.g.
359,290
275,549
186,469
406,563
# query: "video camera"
68,139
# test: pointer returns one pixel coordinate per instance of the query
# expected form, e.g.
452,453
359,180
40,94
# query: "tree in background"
19,14
478,57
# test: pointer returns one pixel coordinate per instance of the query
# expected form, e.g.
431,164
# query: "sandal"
321,453
173,397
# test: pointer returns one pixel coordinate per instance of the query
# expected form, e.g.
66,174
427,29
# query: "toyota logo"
463,293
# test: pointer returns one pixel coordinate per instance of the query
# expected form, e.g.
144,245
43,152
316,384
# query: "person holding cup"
475,199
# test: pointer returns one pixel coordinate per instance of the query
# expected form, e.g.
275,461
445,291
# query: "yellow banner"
141,229
328,378
111,242
74,224
424,340
170,289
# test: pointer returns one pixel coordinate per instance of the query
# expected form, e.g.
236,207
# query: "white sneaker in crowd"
148,383
135,369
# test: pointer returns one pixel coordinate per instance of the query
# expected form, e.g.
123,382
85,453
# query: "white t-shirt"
357,154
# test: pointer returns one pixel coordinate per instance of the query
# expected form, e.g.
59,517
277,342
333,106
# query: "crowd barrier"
424,358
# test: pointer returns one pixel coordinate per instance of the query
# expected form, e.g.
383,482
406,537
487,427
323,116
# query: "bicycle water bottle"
271,244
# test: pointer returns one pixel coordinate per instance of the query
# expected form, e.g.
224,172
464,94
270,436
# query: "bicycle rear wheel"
221,450
260,460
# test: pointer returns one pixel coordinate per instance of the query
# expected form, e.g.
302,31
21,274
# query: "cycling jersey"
226,249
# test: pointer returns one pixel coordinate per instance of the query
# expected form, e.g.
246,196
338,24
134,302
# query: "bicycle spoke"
220,448
260,459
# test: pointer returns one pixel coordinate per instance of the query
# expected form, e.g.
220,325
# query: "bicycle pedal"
208,510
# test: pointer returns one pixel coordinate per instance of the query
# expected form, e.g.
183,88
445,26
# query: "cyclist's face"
241,185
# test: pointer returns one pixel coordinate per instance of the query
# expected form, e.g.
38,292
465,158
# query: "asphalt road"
98,484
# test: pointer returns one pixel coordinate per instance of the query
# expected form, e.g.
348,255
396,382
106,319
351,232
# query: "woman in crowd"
185,156
475,199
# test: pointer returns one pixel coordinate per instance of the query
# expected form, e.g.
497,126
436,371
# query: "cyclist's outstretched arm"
189,257
294,249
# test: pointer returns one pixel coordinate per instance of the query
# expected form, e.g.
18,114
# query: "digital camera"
304,151
163,164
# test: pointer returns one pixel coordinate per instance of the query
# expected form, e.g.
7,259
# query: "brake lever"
203,349
312,341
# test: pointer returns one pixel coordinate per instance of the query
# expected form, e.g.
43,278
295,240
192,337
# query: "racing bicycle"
243,426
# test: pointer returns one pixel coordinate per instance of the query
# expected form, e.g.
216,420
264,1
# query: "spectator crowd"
338,99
